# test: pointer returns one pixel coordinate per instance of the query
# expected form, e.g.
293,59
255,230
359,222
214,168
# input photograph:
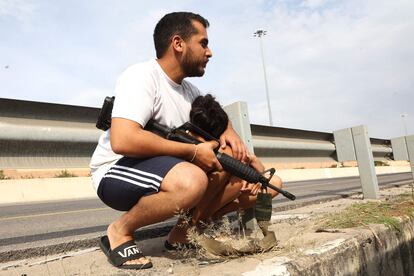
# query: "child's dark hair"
207,114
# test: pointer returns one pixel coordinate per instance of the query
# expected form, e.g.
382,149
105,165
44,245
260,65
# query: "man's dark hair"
176,23
207,114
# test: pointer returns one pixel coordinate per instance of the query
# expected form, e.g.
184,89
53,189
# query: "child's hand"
252,189
255,188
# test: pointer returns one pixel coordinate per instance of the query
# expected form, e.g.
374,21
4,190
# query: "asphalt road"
44,225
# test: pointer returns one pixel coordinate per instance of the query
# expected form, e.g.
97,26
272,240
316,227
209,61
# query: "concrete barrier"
45,189
289,175
49,189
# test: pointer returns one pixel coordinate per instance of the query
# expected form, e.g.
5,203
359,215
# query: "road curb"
375,251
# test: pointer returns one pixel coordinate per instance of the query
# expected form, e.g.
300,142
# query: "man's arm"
238,147
128,138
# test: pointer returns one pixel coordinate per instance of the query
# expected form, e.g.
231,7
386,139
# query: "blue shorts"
132,178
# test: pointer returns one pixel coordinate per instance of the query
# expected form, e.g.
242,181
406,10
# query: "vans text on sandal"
125,252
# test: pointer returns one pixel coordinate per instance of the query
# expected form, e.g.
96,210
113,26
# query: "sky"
330,64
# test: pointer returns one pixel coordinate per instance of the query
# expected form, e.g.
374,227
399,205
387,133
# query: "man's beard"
191,66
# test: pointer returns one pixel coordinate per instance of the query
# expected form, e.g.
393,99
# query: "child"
207,114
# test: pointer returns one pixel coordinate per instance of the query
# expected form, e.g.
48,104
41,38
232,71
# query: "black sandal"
123,253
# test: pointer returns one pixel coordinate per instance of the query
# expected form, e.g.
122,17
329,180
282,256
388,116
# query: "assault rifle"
181,134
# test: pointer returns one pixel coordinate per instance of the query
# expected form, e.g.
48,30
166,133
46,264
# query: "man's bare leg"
216,186
222,189
216,182
226,195
182,188
220,192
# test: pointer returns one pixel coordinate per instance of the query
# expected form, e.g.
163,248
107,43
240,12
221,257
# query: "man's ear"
177,43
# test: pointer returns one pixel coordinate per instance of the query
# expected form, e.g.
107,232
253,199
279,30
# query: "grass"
3,176
65,173
380,163
360,214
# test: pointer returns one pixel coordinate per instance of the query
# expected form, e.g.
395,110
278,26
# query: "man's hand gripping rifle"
180,134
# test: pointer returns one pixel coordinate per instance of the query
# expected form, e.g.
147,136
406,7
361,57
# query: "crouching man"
136,171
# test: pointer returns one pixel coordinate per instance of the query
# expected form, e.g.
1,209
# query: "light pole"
259,33
403,116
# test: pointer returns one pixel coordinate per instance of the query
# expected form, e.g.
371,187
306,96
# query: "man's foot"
116,239
120,255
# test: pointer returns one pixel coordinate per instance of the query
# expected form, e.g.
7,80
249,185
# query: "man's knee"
194,182
187,179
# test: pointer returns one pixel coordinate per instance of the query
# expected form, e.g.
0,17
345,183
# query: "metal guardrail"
275,144
45,135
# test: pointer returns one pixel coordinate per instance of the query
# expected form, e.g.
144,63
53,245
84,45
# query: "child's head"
207,114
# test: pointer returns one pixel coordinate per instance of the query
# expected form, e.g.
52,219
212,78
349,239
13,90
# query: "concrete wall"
47,189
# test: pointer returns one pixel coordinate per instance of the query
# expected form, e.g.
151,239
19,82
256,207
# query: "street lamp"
259,33
403,116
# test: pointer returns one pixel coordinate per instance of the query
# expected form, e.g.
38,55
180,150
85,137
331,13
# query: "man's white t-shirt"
143,92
